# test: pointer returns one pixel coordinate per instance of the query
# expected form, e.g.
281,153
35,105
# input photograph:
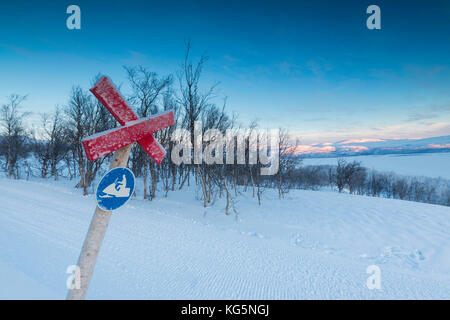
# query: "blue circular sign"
115,189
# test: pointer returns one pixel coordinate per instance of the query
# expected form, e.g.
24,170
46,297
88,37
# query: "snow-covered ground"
433,165
310,245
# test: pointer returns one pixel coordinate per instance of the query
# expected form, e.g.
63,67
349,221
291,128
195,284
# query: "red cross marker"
120,139
133,129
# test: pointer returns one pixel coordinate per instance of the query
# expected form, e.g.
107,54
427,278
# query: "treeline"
350,176
53,148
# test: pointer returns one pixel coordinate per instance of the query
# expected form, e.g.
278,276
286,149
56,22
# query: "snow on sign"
115,189
117,186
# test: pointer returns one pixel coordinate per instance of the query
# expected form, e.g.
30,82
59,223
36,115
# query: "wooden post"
95,235
99,145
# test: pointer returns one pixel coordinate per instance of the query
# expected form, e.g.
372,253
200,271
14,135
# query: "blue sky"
310,66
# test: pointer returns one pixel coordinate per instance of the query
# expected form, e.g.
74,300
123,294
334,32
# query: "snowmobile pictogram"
117,189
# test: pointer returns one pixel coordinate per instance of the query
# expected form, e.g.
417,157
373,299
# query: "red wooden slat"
101,144
107,93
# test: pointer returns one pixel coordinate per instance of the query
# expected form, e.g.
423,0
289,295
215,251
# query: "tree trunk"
174,176
253,181
259,195
145,177
186,177
203,183
227,208
153,176
53,168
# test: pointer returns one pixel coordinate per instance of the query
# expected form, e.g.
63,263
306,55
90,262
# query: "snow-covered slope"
311,245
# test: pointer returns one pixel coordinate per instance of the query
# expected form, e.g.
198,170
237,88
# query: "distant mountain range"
374,146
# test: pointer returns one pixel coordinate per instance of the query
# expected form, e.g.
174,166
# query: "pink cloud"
439,146
399,131
304,149
361,141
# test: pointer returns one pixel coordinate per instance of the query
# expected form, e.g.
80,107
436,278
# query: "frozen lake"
420,164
